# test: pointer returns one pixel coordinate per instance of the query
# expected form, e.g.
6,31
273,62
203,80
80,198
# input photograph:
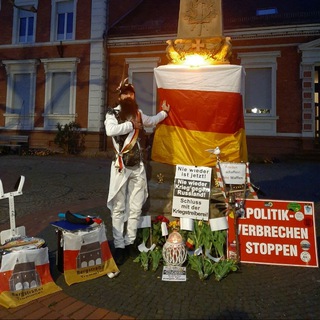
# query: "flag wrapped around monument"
206,112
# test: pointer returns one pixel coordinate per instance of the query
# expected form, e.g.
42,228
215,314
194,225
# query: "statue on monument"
200,32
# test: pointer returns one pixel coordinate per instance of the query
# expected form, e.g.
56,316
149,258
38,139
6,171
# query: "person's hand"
165,107
136,123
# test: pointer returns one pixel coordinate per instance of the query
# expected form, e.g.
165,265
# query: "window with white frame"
260,91
141,75
63,20
24,21
60,91
21,87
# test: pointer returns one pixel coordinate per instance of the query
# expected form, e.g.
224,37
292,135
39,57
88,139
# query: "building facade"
62,60
278,45
52,68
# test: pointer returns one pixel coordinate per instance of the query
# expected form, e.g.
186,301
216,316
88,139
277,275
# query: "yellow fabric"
174,145
89,273
9,299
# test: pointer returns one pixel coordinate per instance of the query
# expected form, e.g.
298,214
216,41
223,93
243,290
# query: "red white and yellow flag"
87,255
206,112
25,276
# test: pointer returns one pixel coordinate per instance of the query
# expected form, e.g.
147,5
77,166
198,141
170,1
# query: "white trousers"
127,206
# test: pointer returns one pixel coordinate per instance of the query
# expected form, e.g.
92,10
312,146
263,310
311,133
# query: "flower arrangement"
206,248
153,235
208,256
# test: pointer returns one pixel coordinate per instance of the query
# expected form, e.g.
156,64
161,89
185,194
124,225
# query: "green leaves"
218,239
156,257
152,257
145,234
213,242
224,267
143,258
195,263
70,138
202,236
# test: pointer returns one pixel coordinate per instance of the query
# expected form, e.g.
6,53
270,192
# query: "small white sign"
174,273
144,222
233,173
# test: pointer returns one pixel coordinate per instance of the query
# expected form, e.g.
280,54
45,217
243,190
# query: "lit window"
260,92
267,11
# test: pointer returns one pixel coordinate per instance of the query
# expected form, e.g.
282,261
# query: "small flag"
190,244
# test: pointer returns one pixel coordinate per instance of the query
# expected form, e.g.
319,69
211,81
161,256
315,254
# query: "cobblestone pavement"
80,184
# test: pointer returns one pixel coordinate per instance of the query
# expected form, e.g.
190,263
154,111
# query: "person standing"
128,182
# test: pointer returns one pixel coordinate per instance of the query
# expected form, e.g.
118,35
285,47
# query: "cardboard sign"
174,273
275,232
233,173
191,194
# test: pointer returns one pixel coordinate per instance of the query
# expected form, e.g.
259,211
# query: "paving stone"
56,184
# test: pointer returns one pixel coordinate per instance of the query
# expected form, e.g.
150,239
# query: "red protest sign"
275,232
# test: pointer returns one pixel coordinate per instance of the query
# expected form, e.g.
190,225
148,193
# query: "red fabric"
219,112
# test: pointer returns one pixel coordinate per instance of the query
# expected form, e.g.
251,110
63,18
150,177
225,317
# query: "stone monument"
200,32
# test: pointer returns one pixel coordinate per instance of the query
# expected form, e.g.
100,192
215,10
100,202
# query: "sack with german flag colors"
25,276
87,255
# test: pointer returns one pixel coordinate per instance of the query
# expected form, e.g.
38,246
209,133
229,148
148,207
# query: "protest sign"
275,232
191,195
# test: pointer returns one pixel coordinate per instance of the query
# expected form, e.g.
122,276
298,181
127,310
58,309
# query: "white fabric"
221,78
220,223
38,256
75,240
118,179
128,188
127,195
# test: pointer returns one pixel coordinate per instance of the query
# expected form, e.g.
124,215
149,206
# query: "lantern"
174,251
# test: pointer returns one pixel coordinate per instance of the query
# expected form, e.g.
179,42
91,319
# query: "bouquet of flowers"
206,253
208,257
154,236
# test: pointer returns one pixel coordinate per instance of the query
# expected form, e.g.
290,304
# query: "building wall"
288,138
102,62
87,47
